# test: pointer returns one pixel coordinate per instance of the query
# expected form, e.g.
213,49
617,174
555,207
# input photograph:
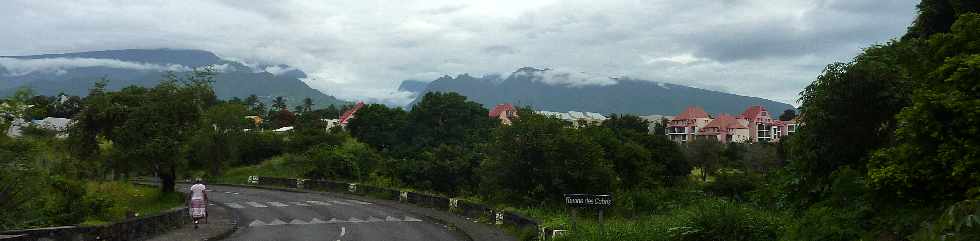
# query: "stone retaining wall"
132,229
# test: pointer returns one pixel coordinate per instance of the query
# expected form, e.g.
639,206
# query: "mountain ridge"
546,89
74,73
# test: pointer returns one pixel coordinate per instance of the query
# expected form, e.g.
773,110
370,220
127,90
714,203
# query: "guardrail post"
352,187
299,183
453,204
253,179
403,197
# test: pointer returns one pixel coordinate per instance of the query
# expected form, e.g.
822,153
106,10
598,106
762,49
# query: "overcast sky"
363,49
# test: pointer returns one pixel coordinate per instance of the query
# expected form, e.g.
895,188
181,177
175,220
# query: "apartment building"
755,124
685,126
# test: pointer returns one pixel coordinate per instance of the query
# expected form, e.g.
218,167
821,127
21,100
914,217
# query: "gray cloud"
20,67
362,49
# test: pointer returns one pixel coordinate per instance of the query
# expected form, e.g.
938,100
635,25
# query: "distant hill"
532,87
75,74
414,86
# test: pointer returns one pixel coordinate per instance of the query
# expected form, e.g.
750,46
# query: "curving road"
278,215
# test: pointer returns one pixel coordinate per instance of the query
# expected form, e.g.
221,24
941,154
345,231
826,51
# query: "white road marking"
300,204
278,204
340,202
235,193
319,203
359,202
343,231
276,222
234,205
316,221
255,204
227,192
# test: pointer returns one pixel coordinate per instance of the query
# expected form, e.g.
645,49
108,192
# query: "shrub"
724,220
732,184
350,161
826,223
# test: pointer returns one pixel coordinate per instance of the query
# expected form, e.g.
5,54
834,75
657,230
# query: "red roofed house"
726,128
505,112
763,128
685,125
349,114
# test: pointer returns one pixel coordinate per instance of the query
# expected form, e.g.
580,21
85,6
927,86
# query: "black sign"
588,200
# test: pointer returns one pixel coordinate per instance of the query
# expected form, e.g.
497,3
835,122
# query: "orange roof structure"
350,113
693,112
753,111
724,122
501,108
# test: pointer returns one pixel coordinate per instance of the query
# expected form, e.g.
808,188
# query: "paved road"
267,215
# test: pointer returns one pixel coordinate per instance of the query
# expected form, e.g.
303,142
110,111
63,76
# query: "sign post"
588,201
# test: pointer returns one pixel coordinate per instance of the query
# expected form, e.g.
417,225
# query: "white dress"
197,201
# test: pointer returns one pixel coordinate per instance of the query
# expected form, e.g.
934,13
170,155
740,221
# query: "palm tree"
279,103
307,104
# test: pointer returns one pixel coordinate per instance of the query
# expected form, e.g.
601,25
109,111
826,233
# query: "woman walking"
198,202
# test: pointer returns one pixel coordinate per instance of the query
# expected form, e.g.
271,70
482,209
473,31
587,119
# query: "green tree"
279,103
787,115
839,102
538,158
307,104
937,154
448,118
705,153
621,123
379,126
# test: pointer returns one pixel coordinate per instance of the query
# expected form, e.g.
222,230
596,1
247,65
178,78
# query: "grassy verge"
112,201
279,166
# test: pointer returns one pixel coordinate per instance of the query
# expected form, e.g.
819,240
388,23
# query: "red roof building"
685,125
349,114
505,112
753,125
726,128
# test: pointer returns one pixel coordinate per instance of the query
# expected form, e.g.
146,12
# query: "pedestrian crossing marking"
255,204
299,204
234,205
319,203
359,202
276,222
369,219
278,204
316,221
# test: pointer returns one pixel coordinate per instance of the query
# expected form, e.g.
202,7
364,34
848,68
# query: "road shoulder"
222,222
